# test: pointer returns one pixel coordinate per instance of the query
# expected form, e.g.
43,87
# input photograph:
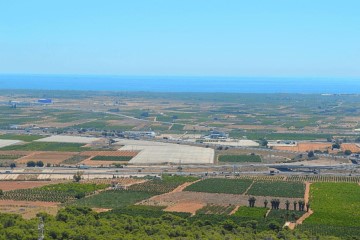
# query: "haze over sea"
182,84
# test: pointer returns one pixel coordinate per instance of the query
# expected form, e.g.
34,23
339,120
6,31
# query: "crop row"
37,195
320,178
216,209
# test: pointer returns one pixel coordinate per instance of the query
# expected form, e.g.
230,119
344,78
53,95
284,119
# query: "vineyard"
336,210
319,178
216,209
113,199
239,158
167,184
220,185
61,192
277,189
10,157
285,215
255,213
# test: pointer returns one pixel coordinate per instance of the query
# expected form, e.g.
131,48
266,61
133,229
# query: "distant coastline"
182,84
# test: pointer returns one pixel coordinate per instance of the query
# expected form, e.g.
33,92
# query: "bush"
31,164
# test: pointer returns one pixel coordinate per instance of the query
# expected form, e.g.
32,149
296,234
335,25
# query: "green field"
277,189
48,146
218,185
113,199
25,138
251,212
239,158
336,210
112,158
164,185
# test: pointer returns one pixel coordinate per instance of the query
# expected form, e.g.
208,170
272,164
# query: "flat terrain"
160,153
68,139
5,143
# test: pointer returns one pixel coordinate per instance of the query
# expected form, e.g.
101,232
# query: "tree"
31,164
77,176
39,163
266,203
252,201
12,165
336,145
295,204
347,152
1,192
311,154
287,204
263,142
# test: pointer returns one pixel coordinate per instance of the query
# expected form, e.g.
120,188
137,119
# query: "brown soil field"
350,146
13,185
27,209
175,198
46,157
306,146
185,207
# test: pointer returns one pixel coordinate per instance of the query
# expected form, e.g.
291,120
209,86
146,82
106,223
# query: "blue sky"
181,37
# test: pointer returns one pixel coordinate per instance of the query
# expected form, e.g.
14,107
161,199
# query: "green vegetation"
239,158
251,212
25,138
336,210
220,185
61,192
83,223
48,146
166,184
113,199
112,158
285,215
177,127
277,189
216,209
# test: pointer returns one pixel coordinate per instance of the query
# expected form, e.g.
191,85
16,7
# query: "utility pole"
41,229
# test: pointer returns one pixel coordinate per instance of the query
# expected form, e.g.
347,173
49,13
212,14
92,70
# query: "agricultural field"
219,185
324,178
277,189
15,185
61,192
75,159
249,212
216,209
25,138
46,157
167,184
239,158
113,199
112,158
336,210
47,146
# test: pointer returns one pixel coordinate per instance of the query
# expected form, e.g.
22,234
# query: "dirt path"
292,225
234,211
183,186
248,188
307,192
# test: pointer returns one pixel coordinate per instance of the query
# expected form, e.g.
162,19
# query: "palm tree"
287,204
266,203
307,206
295,203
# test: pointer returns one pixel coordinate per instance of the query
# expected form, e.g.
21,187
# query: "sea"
182,84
